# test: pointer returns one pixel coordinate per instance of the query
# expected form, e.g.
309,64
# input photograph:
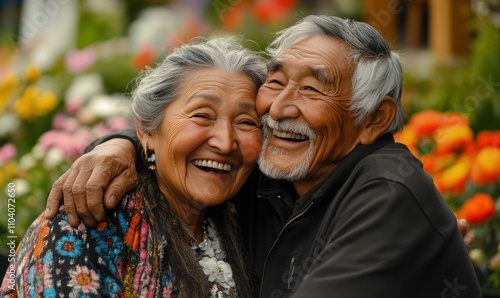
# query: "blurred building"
442,26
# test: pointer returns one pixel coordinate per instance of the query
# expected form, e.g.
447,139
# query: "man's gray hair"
378,71
159,86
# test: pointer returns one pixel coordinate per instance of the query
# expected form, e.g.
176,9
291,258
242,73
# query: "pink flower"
79,61
72,145
84,280
7,152
118,123
62,122
101,129
73,104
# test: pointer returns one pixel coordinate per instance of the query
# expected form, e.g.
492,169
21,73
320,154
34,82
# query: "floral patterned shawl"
119,258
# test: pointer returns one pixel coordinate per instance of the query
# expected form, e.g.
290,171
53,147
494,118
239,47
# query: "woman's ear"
378,122
143,137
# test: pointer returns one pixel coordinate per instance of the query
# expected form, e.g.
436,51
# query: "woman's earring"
151,159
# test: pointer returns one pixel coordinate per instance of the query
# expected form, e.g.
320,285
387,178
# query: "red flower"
488,138
233,16
265,11
144,58
478,209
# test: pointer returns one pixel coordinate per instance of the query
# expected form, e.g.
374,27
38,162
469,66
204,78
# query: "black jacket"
375,227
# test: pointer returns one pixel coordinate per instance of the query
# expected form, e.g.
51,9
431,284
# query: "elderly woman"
174,235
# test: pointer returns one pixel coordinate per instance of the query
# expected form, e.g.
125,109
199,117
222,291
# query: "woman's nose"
223,138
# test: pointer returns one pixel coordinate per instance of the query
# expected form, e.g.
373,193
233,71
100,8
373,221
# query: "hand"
464,227
107,171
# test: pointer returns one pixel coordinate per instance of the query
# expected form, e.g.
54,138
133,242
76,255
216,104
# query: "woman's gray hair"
378,71
159,86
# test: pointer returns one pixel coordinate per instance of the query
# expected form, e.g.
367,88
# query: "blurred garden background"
67,67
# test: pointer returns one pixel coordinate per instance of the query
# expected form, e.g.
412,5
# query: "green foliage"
471,88
116,71
95,27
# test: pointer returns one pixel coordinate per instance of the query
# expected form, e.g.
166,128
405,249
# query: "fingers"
55,196
469,239
119,186
87,197
464,228
83,185
69,201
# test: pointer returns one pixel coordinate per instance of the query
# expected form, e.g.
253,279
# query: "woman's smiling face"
209,140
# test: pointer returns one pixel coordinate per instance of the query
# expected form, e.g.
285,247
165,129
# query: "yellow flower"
24,106
8,87
46,103
485,169
34,103
454,178
452,138
31,74
11,168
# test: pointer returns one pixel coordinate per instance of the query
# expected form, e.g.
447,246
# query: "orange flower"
454,138
488,138
408,137
426,122
453,179
486,166
265,11
233,17
144,58
434,164
478,209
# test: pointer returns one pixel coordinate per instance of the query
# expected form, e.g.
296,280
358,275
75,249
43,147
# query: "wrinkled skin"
293,91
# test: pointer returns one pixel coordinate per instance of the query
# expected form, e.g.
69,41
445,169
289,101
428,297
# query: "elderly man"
343,210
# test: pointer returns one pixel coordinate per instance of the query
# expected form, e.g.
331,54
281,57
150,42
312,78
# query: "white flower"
53,158
22,186
27,161
105,106
218,271
38,151
84,87
153,26
9,123
208,250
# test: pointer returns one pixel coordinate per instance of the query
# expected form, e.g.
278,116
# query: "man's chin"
275,171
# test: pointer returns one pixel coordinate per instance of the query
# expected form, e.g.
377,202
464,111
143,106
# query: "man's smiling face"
308,127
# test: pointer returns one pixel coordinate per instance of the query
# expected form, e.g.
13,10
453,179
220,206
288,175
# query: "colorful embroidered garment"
118,258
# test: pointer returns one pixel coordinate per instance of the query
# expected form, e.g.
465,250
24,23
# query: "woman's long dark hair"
189,279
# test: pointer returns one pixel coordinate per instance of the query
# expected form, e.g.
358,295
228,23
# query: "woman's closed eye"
250,122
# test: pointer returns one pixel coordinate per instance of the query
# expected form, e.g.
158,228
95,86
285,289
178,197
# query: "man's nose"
284,106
